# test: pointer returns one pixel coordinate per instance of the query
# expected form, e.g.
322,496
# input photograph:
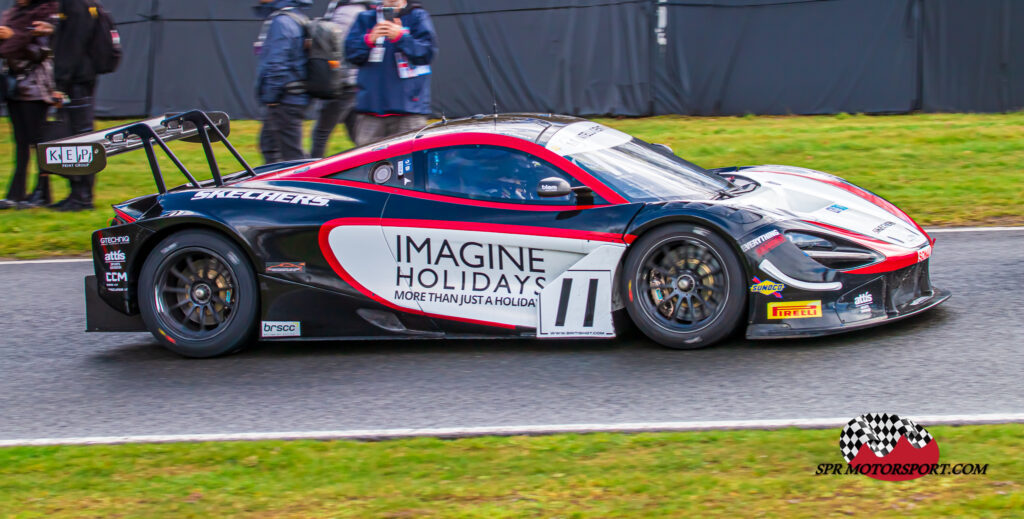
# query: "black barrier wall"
620,57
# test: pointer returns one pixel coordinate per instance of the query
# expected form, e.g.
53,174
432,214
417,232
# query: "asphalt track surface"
964,357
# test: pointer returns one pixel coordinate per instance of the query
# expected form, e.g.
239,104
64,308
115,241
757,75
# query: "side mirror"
553,187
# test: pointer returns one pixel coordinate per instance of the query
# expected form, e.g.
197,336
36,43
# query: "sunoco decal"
794,310
489,277
263,196
767,288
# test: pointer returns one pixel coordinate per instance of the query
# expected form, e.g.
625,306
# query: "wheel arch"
170,226
722,229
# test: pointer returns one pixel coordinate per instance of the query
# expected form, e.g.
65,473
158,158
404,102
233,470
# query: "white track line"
511,430
938,230
43,262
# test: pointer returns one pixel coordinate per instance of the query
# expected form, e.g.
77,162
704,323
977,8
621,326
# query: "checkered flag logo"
880,432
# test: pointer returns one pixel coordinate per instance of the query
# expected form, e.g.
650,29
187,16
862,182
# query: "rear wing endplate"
87,153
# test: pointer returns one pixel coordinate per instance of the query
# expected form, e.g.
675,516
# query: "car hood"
788,192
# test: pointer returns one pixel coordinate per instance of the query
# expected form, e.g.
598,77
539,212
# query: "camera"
389,13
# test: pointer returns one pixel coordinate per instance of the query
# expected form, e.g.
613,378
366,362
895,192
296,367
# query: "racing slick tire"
198,294
684,286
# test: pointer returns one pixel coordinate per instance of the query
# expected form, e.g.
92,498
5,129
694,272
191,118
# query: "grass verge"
943,169
714,473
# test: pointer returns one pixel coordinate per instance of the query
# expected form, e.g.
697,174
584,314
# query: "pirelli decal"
794,310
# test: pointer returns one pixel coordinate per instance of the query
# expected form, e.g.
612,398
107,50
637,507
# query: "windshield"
639,171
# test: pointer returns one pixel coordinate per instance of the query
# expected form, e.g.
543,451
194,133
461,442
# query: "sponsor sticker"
836,208
883,227
281,329
760,239
117,277
69,155
794,310
115,240
285,267
864,299
924,254
767,288
262,196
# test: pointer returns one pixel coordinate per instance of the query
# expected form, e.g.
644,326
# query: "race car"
505,226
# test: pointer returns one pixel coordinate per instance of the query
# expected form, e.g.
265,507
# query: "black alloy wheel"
198,295
684,286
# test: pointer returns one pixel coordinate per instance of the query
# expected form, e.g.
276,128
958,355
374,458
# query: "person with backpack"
85,45
29,94
393,47
281,76
343,13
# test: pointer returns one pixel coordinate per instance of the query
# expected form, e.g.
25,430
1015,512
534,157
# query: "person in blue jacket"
282,69
394,59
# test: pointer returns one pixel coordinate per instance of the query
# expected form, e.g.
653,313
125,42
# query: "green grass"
943,169
698,474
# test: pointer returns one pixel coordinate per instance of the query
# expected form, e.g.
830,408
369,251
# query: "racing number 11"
576,316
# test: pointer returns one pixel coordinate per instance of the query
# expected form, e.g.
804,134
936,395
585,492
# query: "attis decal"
886,447
794,310
767,288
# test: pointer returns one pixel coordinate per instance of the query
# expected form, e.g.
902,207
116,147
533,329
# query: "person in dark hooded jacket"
394,69
282,63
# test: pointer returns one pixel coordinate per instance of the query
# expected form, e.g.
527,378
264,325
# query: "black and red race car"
514,226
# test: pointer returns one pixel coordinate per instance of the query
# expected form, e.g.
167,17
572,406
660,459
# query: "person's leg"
36,133
268,136
405,123
348,114
330,115
78,118
369,129
290,131
16,191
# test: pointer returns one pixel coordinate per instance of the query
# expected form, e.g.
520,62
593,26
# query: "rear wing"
87,153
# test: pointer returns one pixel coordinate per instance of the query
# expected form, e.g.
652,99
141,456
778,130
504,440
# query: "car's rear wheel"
198,295
684,286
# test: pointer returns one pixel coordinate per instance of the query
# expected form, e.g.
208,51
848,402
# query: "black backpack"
325,49
105,43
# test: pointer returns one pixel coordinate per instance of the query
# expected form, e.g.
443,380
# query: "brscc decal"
281,329
263,196
794,310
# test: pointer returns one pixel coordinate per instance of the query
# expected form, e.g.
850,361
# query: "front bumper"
863,302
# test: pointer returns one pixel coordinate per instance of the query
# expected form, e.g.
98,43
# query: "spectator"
333,111
29,62
394,69
282,65
75,75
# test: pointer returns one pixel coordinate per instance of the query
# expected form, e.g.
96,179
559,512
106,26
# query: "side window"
394,172
491,173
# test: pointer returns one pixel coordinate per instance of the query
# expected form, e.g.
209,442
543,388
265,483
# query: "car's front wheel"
198,295
684,286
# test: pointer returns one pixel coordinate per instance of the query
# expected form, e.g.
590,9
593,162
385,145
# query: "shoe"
38,199
8,204
74,206
60,204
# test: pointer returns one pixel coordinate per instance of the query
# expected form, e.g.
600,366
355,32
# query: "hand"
59,98
386,29
40,28
5,32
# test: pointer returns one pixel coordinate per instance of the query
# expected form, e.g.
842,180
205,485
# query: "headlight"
808,242
833,253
